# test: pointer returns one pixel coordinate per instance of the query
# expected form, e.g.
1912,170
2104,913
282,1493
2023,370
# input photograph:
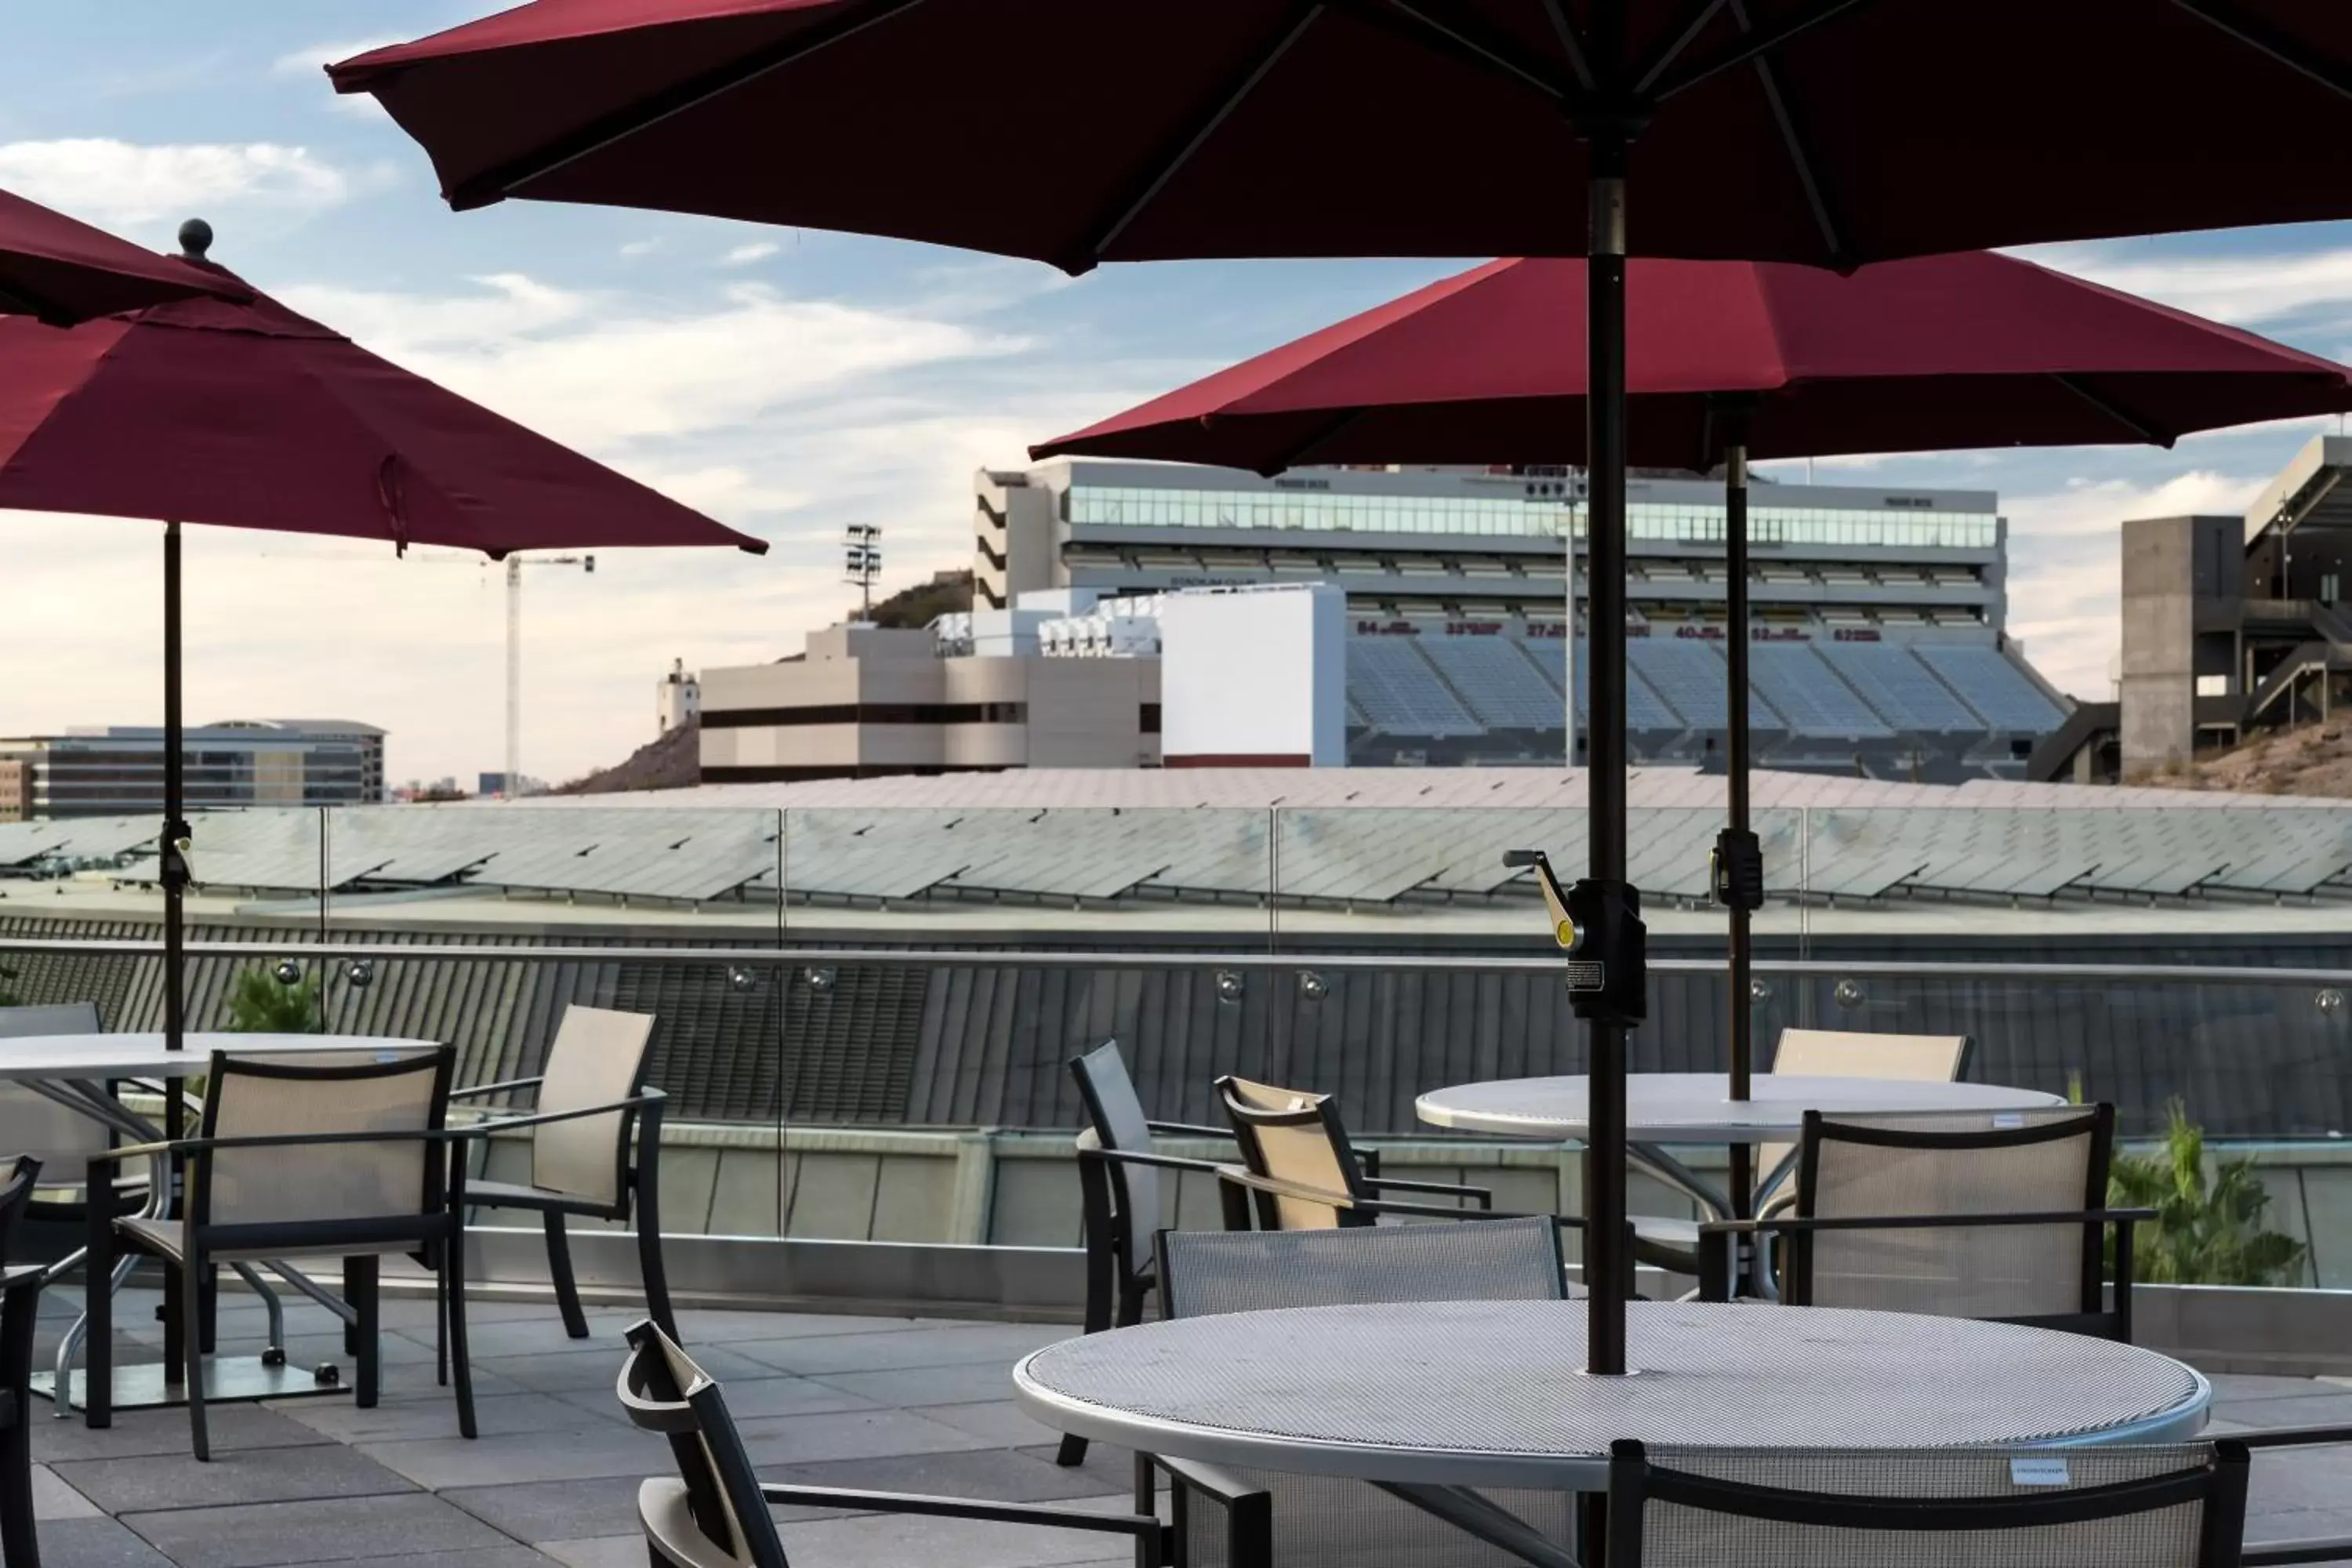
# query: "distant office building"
118,771
677,700
495,784
15,791
867,701
2230,624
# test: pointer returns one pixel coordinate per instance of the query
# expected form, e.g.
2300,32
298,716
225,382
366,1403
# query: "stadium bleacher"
1398,691
1794,678
1501,685
1690,675
1994,687
1904,692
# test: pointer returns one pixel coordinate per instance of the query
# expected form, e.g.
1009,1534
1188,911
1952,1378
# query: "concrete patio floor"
899,1403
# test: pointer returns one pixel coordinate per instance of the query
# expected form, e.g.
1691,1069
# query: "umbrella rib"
1795,146
500,181
1298,451
2140,428
1464,35
1569,44
1102,236
1756,45
1696,14
2261,36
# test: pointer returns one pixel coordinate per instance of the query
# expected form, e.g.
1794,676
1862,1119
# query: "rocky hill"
674,762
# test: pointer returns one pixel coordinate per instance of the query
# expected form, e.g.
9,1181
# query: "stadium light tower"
861,545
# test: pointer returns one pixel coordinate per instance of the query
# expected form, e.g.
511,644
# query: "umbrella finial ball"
195,238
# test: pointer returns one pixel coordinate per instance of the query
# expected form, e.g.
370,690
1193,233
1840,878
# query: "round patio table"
1429,1399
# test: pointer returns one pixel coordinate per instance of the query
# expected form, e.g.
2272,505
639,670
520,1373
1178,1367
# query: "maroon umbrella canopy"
1076,132
61,271
249,416
1937,352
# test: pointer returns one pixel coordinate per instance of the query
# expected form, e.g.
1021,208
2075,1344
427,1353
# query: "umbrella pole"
173,863
1734,558
1608,1263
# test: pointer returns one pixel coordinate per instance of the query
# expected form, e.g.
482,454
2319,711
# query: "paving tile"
508,1556
894,1541
1002,1343
558,1373
2333,1408
543,1511
971,1382
136,1432
607,1552
1112,1467
997,1474
541,1335
2262,1385
52,1498
340,1530
848,1434
605,1451
711,1326
97,1542
747,1397
1002,1421
496,1415
239,1476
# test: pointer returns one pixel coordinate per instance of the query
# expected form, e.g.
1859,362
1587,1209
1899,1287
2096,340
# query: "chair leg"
209,1309
559,1270
20,1546
192,1339
441,1326
649,1253
359,1289
1101,1246
98,1320
453,1289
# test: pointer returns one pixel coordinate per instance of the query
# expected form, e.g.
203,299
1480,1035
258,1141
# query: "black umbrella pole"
171,858
1608,1267
1734,558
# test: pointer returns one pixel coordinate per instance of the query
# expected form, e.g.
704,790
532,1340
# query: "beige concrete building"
16,790
866,701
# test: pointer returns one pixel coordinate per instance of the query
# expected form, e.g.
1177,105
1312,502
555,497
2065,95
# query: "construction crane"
515,563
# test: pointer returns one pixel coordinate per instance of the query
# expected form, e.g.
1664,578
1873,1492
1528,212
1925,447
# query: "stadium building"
1877,614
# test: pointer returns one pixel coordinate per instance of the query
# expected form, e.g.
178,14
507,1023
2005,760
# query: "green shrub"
261,1003
2208,1224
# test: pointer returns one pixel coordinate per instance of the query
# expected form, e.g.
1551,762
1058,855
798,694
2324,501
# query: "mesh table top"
1493,1394
1697,1107
77,1056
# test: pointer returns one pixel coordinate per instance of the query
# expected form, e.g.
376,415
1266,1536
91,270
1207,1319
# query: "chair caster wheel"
274,1356
326,1374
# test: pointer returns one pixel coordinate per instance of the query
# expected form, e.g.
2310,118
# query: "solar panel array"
1366,855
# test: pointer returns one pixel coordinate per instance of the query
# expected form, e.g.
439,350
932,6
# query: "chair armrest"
1133,1524
648,1099
1136,1157
482,1089
2273,1553
1484,1195
1191,1130
1222,1485
1275,1186
2291,1437
1923,1221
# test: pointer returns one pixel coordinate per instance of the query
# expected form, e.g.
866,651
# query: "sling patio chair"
344,1158
1309,1175
1998,1215
1120,1195
715,1512
20,1306
62,1137
595,1151
2120,1506
1324,1520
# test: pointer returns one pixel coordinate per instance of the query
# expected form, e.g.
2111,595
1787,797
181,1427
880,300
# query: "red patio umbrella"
1077,131
248,416
1728,360
60,270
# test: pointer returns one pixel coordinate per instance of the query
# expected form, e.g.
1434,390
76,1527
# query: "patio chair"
1309,1176
1966,1214
2175,1506
1120,1195
20,1545
1324,1519
61,1138
344,1158
601,1161
715,1514
1670,1244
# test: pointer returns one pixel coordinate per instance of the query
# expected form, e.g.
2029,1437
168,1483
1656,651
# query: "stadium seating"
1689,675
1397,690
1502,686
1988,683
1794,678
1904,692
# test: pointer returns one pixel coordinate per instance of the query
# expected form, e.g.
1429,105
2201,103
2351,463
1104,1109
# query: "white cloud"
312,59
744,254
2064,575
122,184
2242,289
637,248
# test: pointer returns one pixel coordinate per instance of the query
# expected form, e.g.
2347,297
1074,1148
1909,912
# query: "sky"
785,382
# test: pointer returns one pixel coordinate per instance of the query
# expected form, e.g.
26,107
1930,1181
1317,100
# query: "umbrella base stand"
228,1380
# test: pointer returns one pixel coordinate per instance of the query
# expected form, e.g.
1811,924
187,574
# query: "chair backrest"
1296,1137
1210,1271
1114,1117
2043,1161
1853,1053
15,1194
2179,1506
597,1057
713,1513
32,1123
293,1191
